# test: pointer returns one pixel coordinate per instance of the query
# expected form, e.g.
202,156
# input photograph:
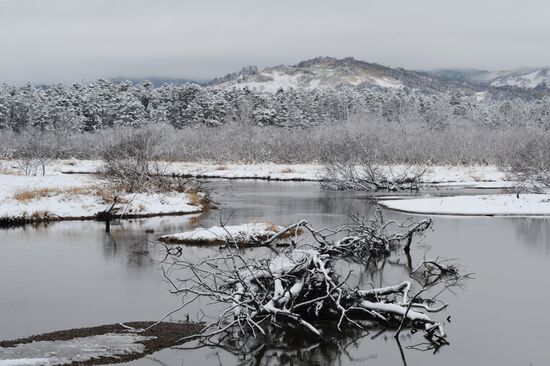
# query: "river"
72,274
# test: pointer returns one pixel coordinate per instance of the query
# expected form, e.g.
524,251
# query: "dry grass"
271,226
40,215
221,167
195,198
28,195
8,171
105,194
286,171
276,228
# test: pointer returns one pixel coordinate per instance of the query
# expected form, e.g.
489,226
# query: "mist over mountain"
524,78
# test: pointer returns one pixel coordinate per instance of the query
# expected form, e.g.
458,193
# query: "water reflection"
293,348
535,232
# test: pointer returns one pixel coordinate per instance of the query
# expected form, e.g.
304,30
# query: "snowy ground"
75,350
62,196
246,233
473,176
494,204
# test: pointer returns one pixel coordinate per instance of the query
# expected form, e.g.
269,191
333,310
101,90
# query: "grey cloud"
71,40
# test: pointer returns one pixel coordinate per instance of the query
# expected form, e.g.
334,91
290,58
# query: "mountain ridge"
327,71
330,72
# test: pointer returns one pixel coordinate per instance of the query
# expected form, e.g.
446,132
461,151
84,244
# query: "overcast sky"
73,40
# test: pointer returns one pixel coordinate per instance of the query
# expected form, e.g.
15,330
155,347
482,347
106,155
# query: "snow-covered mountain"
329,72
315,73
524,78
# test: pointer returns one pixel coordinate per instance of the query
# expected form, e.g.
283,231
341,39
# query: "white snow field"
47,353
240,233
480,205
63,196
474,176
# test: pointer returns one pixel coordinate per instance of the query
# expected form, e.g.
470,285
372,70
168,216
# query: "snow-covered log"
252,234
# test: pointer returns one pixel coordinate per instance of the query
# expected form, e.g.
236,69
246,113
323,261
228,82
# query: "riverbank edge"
165,335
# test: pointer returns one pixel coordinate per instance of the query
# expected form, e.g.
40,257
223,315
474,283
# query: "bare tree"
530,166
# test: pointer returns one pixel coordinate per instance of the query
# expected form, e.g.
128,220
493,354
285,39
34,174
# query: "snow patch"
482,205
246,233
72,196
46,353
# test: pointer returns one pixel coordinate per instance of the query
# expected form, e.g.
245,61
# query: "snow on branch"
297,287
301,288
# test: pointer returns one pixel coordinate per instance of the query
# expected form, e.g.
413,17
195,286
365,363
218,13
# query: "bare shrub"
530,166
370,177
28,166
34,152
133,159
459,143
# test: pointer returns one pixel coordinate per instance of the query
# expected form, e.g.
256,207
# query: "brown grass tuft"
195,198
104,193
276,228
271,226
40,215
35,193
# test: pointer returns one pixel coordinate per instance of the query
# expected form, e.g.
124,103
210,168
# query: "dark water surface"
72,274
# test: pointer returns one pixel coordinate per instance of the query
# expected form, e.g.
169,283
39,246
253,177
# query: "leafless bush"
530,166
133,161
34,153
360,138
370,177
28,166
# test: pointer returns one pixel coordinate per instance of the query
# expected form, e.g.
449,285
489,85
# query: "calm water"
72,274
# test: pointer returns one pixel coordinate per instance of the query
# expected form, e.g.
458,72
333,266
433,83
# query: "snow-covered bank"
240,234
473,176
481,205
99,345
61,197
72,351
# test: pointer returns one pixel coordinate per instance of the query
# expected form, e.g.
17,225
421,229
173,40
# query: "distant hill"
156,81
524,78
331,72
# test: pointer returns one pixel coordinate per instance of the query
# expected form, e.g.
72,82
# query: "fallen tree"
300,287
297,288
367,238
